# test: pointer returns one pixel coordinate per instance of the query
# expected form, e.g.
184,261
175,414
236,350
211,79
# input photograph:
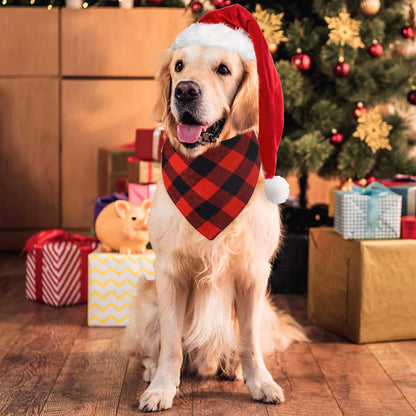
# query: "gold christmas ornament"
373,130
343,30
271,25
370,7
272,48
347,186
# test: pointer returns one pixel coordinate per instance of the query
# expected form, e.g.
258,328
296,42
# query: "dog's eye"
133,218
178,66
223,70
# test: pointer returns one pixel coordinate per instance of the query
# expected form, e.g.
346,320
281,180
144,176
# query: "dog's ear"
164,86
244,113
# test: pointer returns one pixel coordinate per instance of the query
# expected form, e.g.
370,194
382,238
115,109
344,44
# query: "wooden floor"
52,364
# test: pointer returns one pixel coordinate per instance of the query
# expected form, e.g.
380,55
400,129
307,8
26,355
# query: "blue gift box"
368,213
408,193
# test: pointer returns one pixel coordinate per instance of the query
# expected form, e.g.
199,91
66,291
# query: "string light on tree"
301,60
370,7
336,138
376,49
359,110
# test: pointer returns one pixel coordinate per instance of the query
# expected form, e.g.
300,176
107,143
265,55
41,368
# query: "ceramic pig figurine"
122,226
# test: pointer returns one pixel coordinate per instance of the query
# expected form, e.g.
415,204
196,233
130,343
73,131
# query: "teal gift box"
368,213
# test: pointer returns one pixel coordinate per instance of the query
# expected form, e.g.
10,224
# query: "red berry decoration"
407,32
302,61
341,69
375,49
219,4
359,110
411,96
196,7
336,138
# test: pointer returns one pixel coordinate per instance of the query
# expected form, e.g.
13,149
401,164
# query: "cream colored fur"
208,303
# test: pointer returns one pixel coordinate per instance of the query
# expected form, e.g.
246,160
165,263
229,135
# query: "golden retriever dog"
208,308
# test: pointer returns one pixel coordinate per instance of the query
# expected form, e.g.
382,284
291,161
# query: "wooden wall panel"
96,113
117,42
29,153
29,41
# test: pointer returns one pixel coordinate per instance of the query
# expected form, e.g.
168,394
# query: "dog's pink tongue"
189,133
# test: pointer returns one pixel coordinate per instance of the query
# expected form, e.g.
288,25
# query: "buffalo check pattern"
351,216
212,189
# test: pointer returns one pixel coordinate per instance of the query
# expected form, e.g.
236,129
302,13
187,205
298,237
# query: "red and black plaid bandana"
212,189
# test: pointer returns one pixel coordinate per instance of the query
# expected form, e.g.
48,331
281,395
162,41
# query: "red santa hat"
234,28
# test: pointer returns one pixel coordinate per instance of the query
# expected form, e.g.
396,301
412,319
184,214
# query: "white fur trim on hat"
277,189
219,35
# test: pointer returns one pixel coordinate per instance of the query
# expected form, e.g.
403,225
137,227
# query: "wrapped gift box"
371,212
409,227
138,193
113,169
112,281
57,267
149,143
408,194
364,290
143,171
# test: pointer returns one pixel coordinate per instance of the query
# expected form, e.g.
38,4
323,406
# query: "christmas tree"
345,70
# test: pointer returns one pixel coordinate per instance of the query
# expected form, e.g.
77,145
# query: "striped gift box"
112,281
56,267
368,213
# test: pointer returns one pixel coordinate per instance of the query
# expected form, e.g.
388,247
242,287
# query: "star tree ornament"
373,130
271,25
343,30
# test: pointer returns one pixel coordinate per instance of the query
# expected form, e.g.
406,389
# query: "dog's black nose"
187,91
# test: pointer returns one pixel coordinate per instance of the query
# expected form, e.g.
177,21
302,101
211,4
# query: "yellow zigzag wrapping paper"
112,281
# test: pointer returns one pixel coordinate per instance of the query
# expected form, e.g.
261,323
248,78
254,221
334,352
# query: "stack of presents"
362,272
361,277
102,271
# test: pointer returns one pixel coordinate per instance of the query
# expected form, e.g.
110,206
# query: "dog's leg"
249,303
172,301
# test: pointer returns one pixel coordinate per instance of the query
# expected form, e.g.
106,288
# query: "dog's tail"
279,330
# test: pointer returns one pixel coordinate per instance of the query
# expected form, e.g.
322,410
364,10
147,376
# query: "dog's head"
206,94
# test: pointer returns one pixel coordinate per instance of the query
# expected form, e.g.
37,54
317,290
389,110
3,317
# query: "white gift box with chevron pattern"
112,281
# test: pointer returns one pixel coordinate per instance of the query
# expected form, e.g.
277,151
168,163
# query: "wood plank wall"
70,81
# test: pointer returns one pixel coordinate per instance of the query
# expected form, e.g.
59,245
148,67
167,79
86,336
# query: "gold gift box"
143,171
364,290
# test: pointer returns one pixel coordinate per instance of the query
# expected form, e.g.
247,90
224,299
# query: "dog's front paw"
157,398
266,391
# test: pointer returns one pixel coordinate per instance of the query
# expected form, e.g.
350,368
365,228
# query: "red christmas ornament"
341,69
336,138
302,61
411,96
196,6
219,4
359,110
371,179
375,49
407,32
155,1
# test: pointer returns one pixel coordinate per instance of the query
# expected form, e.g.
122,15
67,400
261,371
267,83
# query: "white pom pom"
277,189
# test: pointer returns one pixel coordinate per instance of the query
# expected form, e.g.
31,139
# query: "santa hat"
235,29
